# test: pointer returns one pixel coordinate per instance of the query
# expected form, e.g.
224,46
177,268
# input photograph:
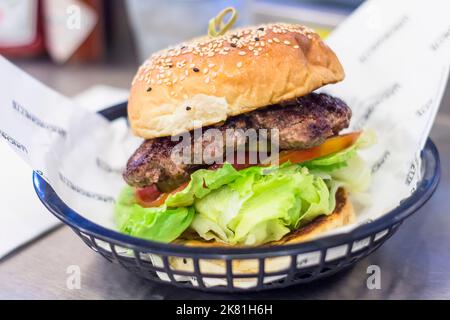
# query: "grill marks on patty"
302,123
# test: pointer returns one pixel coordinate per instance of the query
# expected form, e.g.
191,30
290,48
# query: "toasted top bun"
342,215
206,80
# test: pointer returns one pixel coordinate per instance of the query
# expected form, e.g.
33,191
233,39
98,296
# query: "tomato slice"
148,194
330,146
147,197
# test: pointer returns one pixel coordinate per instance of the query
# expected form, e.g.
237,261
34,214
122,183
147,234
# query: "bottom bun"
342,215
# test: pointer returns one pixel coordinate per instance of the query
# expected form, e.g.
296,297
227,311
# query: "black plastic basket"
297,263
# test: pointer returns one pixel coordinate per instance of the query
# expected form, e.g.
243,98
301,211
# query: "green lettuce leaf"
339,160
261,205
202,182
159,224
333,161
346,169
356,177
169,221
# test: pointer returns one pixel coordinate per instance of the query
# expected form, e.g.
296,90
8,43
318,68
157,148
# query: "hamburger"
259,78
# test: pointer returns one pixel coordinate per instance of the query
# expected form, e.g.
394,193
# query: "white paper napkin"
22,216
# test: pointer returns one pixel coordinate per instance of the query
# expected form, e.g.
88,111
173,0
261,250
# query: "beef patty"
302,123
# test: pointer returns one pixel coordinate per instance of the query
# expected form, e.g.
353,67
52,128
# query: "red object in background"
93,47
23,17
33,27
73,30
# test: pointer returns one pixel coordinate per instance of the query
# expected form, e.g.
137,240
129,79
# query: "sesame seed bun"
206,80
342,215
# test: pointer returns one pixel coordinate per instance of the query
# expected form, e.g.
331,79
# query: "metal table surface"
414,263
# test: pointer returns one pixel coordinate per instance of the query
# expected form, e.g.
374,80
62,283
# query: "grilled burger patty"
302,123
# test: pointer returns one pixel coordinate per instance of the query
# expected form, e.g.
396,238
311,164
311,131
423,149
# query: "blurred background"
97,41
79,31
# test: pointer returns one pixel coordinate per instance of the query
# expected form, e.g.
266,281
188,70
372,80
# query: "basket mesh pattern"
294,268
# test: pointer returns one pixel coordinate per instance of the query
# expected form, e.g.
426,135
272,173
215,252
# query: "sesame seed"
188,108
157,69
149,89
239,64
207,80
